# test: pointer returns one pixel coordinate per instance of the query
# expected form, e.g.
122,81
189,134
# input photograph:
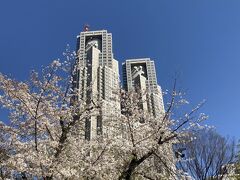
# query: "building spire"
86,27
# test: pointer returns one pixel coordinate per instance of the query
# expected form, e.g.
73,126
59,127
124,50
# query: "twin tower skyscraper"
97,78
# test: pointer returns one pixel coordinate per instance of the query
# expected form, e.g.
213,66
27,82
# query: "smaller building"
140,75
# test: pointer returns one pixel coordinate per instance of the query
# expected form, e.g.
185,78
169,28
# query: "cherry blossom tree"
236,168
45,135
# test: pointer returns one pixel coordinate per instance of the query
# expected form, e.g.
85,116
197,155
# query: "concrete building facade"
140,75
97,78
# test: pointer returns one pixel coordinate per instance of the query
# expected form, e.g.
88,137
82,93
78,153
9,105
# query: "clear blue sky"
198,40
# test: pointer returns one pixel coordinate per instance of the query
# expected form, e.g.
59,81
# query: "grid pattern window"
97,76
144,68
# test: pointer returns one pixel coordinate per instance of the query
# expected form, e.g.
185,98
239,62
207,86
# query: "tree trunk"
127,174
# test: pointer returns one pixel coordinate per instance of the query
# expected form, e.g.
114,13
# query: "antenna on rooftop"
86,27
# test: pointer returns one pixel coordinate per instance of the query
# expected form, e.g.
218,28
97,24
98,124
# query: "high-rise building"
97,78
140,75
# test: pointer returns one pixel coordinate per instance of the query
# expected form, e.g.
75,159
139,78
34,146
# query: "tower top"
86,27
